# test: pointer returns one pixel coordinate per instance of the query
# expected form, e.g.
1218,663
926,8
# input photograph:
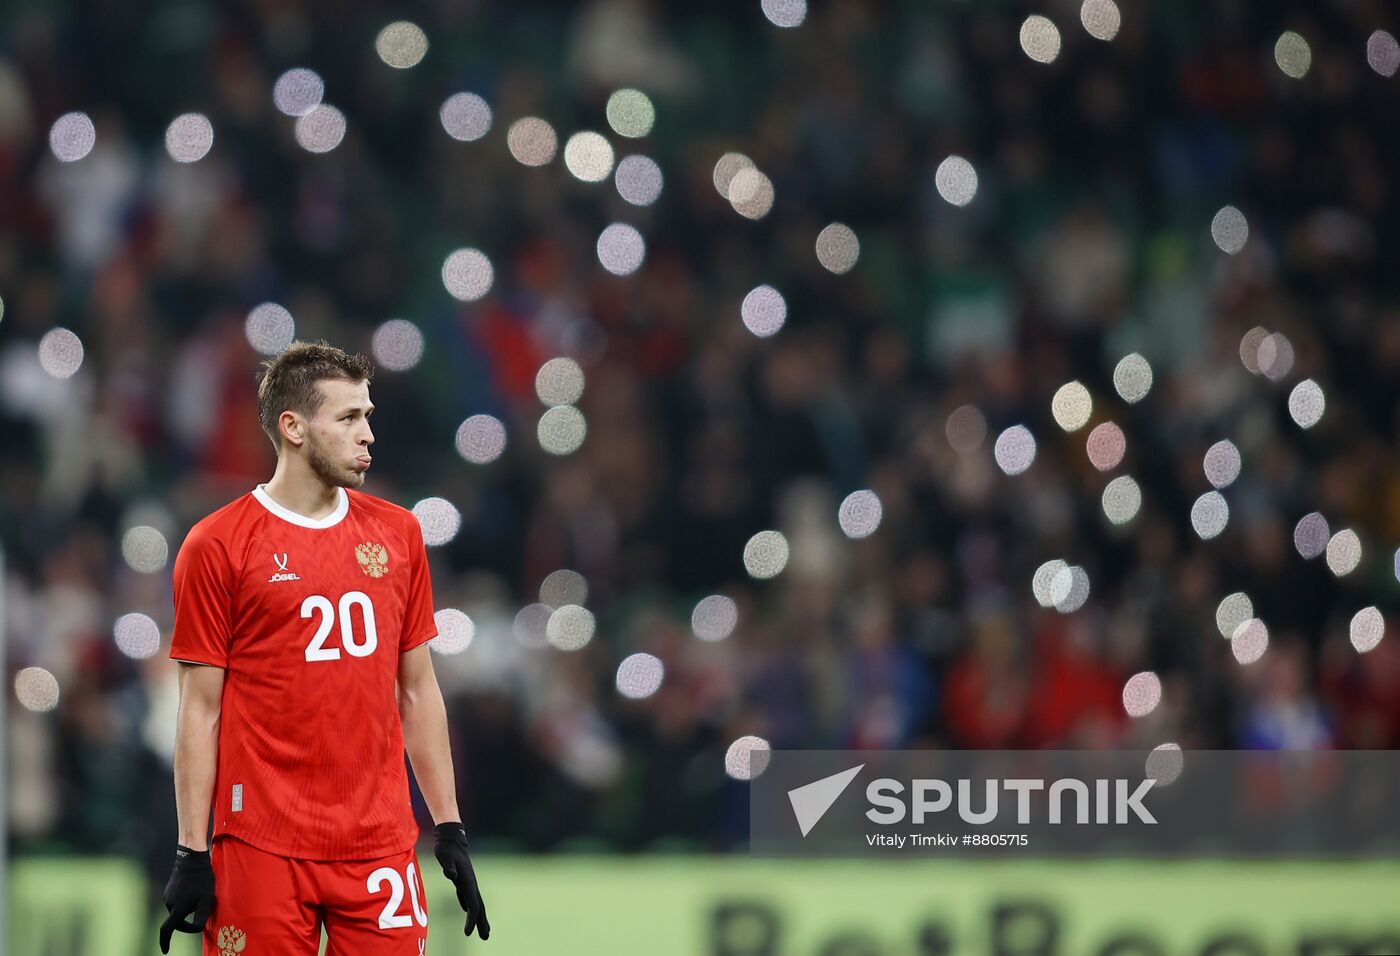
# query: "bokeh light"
639,676
564,586
588,156
397,345
1250,641
1275,357
465,117
561,430
714,617
764,311
751,193
1014,450
1164,764
1306,403
956,180
766,555
1293,55
298,91
1070,589
560,381
1209,515
1044,580
860,514
481,439
785,13
630,113
1071,406
1366,630
1232,611
1106,446
467,274
532,141
72,136
570,627
747,758
320,129
1142,693
1040,39
439,519
1122,498
1383,53
269,328
531,625
621,249
189,137
837,248
401,44
1343,552
455,631
61,353
1249,348
638,180
36,689
966,429
137,636
1230,230
1310,535
1101,18
726,168
1222,464
1132,378
144,549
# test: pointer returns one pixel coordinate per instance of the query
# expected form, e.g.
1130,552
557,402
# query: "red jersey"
308,619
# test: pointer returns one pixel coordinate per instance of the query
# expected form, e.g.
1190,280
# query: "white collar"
342,508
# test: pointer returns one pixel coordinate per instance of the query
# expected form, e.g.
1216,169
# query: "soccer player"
302,615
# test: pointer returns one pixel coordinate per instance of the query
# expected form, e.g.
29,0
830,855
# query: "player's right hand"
450,848
189,896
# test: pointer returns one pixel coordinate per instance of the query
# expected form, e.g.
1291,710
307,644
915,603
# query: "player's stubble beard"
325,468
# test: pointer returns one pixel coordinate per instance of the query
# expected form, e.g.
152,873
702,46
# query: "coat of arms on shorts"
231,940
373,558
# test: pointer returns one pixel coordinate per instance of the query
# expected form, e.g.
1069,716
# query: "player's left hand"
450,848
189,895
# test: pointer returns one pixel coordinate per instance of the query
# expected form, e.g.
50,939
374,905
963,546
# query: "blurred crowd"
1089,238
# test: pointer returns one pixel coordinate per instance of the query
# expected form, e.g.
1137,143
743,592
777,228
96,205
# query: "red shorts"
264,903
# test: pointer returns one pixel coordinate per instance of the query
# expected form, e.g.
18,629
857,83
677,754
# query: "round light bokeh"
1043,582
764,311
1306,403
144,549
1071,406
137,636
1070,589
570,627
588,156
532,141
1275,358
561,430
1164,764
189,137
638,180
455,631
1132,378
1249,348
439,519
1142,693
1250,641
298,91
1343,552
465,117
714,618
269,328
860,514
36,689
1366,630
630,113
1122,499
1383,53
966,429
766,555
320,129
560,381
639,676
1310,535
747,758
726,168
401,45
467,274
1014,450
72,136
785,13
621,249
1229,229
563,587
397,345
1209,515
531,625
838,249
956,180
1040,39
1106,446
1232,611
1293,55
1101,18
1222,464
481,439
60,353
751,193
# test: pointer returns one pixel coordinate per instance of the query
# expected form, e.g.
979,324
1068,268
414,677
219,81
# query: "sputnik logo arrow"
811,801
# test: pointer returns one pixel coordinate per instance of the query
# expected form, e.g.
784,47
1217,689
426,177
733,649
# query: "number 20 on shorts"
389,916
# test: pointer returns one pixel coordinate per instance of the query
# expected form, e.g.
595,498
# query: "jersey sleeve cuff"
195,657
419,639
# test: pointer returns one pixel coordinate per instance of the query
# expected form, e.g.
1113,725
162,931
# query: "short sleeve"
203,590
418,624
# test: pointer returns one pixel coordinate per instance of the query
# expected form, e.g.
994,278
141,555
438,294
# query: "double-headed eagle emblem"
373,558
231,940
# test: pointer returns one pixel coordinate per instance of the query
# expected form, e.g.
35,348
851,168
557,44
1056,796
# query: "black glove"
450,848
189,895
